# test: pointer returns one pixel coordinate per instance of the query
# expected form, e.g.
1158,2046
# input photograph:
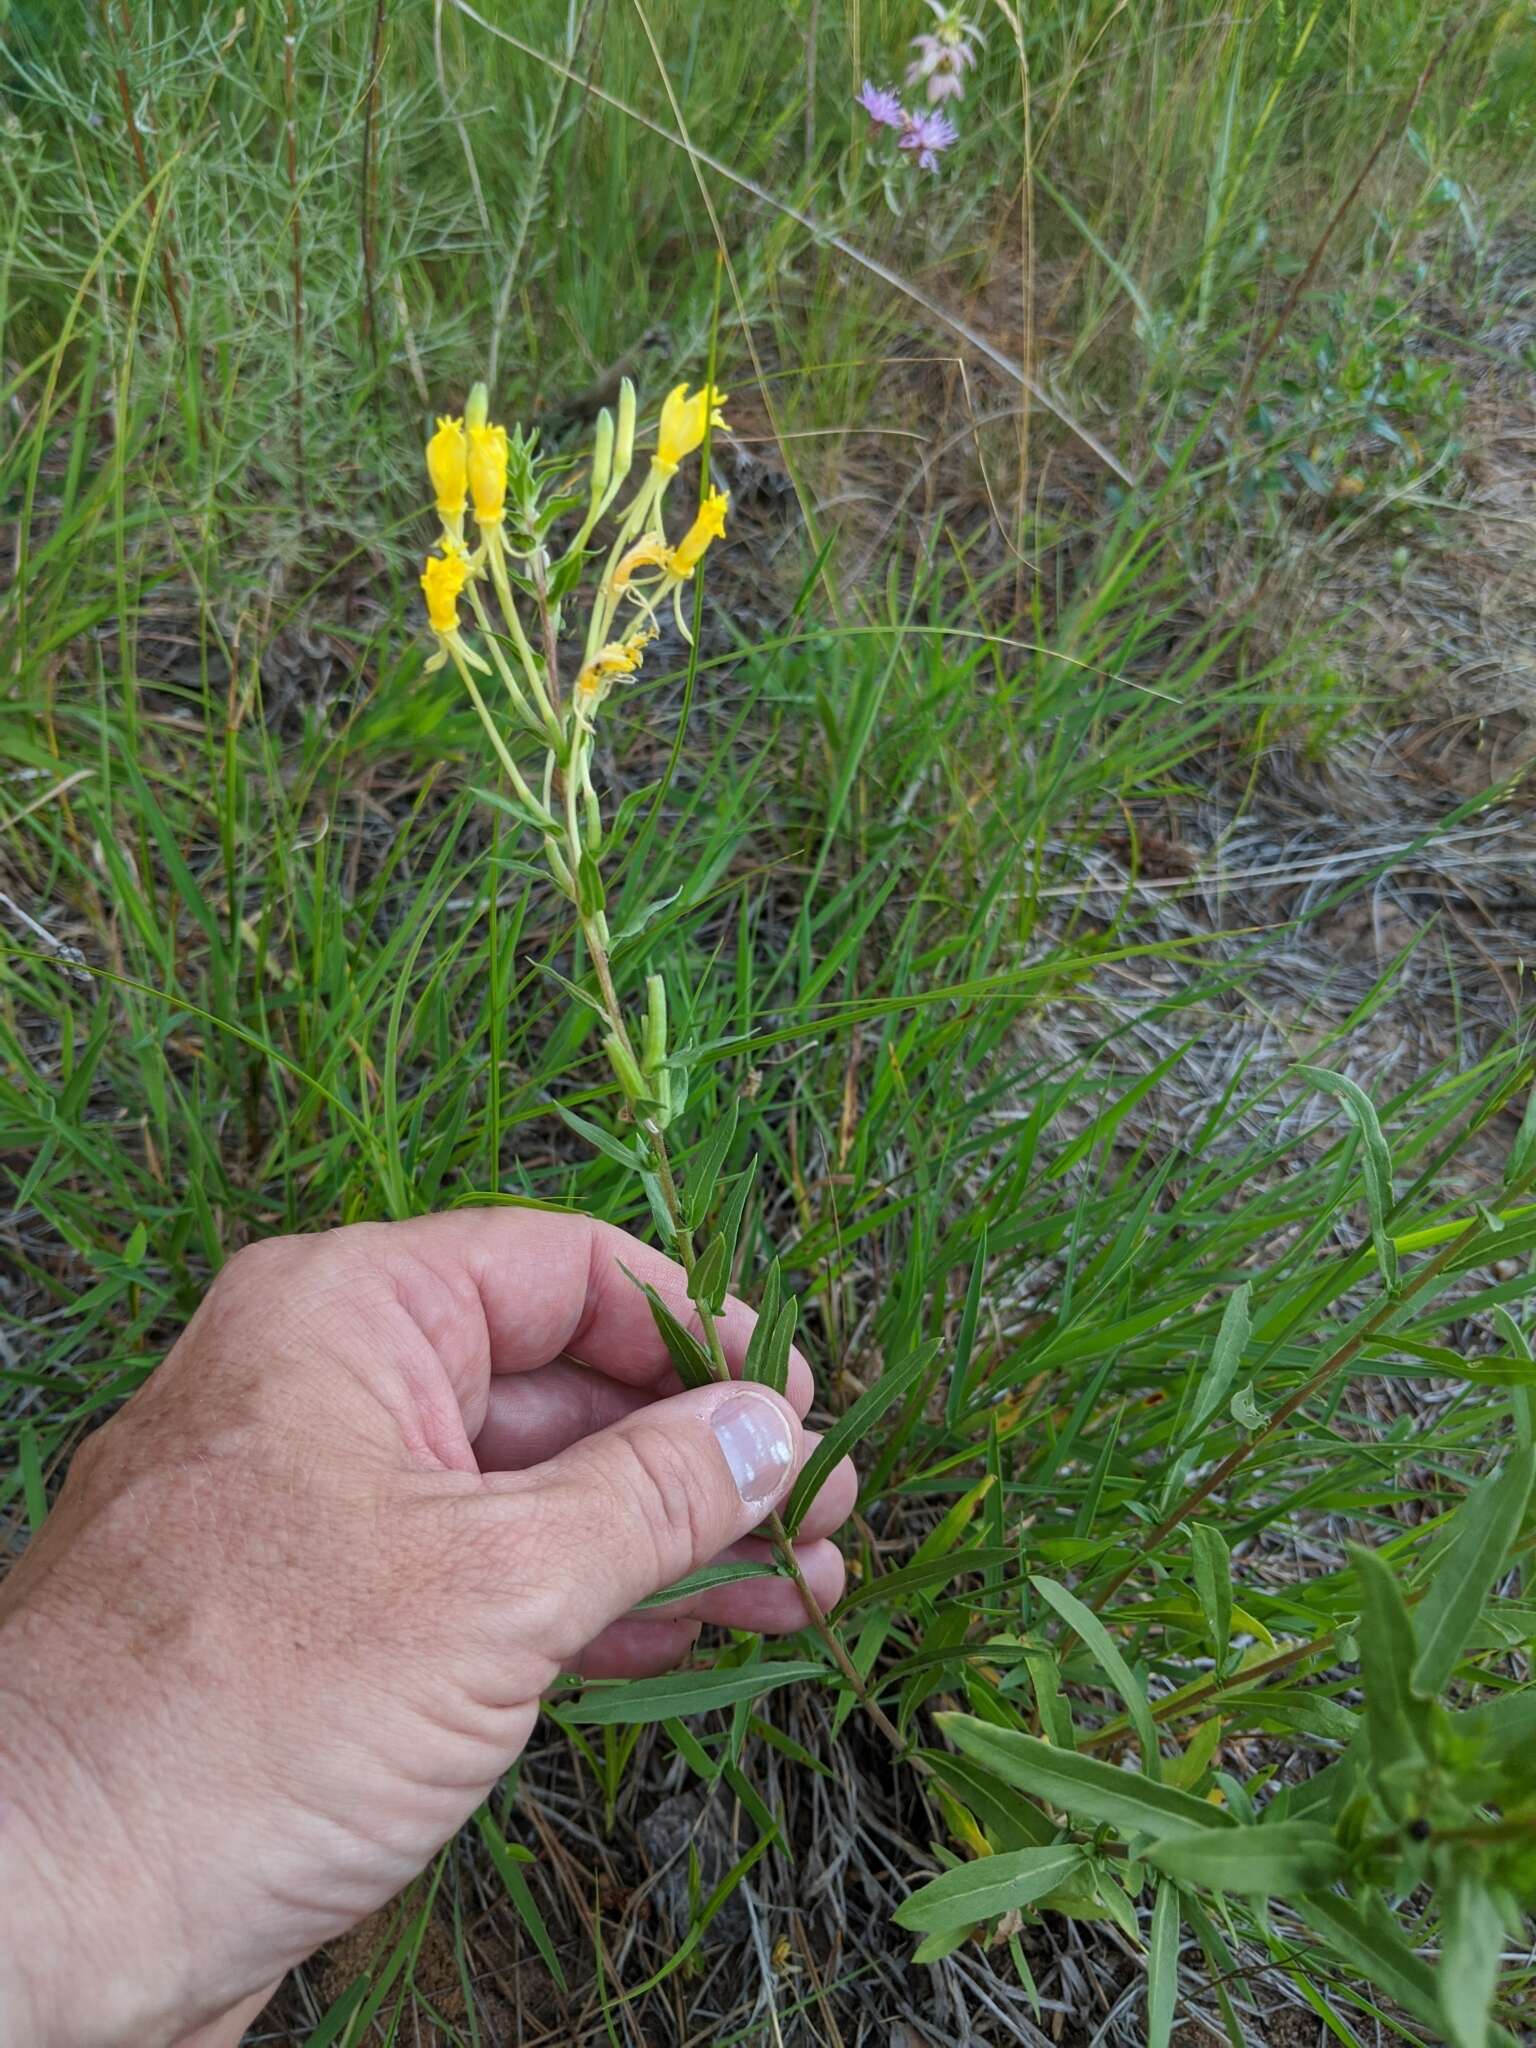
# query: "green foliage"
323,979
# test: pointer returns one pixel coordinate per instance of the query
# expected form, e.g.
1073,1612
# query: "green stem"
682,1239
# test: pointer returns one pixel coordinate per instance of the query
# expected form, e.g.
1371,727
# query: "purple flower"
926,134
881,105
943,58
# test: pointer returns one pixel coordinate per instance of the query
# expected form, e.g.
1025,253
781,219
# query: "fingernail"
755,1437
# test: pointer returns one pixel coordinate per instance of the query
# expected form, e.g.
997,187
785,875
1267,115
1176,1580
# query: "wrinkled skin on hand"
293,1614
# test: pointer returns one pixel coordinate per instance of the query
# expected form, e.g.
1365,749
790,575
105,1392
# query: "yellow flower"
683,423
442,580
649,552
447,466
708,525
618,658
488,472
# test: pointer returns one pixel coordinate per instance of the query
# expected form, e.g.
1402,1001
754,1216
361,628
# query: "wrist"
84,1961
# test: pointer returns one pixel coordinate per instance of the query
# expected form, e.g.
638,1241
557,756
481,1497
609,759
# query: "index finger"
556,1285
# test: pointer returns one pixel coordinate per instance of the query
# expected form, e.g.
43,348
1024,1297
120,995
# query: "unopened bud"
624,448
477,408
602,455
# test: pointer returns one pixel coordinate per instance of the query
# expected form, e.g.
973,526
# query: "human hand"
293,1613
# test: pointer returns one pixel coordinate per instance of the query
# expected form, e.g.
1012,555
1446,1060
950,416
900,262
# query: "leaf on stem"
852,1428
694,1366
1486,1524
990,1886
1375,1160
707,1162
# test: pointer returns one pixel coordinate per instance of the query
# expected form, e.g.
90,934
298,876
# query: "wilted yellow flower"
488,472
618,658
683,424
708,525
442,579
447,466
650,552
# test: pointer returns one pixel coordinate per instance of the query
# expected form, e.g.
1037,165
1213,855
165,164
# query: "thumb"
631,1509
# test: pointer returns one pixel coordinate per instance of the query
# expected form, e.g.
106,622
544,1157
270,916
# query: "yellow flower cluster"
467,462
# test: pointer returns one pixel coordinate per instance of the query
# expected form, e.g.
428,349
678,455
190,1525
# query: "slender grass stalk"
120,37
296,232
367,199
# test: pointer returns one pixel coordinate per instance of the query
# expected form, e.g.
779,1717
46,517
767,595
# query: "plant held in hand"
517,566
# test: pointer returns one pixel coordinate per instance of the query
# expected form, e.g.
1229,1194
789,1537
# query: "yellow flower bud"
488,472
477,407
683,424
708,525
447,466
442,580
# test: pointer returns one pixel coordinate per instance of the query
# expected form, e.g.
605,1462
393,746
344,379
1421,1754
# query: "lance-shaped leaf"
704,1168
990,1886
1097,1639
695,1368
683,1692
852,1428
706,1580
1395,1716
1094,1792
1287,1856
1486,1524
1375,1159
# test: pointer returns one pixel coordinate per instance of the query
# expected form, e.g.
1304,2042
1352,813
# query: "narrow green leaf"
761,1340
1367,1940
1394,1715
1522,1154
1285,1857
1012,1821
33,1492
922,1576
729,1227
852,1428
965,1340
710,1277
597,1138
1163,1966
1471,1943
771,1366
1375,1159
591,897
704,1168
1213,1583
679,1693
1097,1793
1226,1354
1485,1525
706,1580
633,926
507,1856
695,1368
1107,1653
988,1887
